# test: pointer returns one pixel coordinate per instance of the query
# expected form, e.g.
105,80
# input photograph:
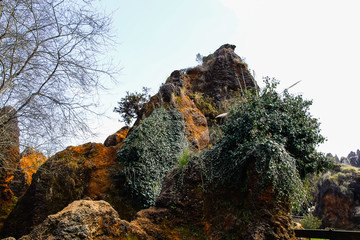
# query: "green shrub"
150,151
277,133
132,104
184,158
310,222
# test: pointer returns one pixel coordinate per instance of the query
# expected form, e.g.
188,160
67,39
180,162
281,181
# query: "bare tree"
49,67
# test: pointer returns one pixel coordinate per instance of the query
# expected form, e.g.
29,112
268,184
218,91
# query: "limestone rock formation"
142,165
338,198
203,92
72,174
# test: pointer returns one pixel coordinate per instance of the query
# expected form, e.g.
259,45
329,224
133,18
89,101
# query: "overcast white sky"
315,41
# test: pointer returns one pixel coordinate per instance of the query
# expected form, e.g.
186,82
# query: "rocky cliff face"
338,198
140,166
203,92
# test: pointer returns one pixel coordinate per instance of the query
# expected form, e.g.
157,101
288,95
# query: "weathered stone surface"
339,188
117,138
221,72
82,219
72,174
222,75
30,162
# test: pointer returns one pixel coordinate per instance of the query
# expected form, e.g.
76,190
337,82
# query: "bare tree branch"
49,67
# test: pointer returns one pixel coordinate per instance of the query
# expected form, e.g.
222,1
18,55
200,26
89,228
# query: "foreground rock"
82,219
183,211
145,168
117,138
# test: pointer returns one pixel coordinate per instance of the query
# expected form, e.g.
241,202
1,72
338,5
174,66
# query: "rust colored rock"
30,162
83,219
117,138
72,174
222,75
196,128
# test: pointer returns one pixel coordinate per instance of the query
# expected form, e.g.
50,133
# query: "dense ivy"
150,151
277,132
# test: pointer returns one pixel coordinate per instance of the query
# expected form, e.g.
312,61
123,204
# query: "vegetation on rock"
276,132
131,106
339,187
150,151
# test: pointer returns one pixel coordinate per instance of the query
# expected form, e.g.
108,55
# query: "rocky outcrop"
352,159
184,210
340,187
117,138
72,174
83,219
9,158
141,167
220,74
203,92
30,162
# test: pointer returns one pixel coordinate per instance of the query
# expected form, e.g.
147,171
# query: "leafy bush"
310,222
150,151
277,133
131,105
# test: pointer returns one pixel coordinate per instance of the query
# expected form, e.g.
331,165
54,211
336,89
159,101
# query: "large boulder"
72,174
82,219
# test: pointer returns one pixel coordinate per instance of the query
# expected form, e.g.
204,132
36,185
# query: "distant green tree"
131,105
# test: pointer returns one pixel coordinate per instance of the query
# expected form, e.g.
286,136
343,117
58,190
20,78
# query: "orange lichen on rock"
98,159
195,122
29,164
